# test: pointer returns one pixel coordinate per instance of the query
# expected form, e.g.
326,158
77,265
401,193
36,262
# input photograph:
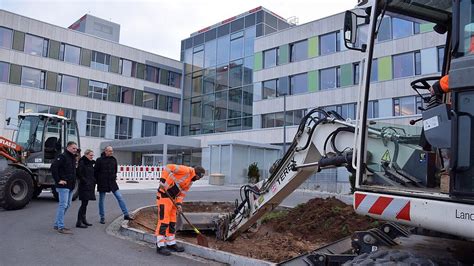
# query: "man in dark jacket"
105,172
63,170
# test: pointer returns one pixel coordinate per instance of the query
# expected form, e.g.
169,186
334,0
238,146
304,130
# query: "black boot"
84,221
175,248
79,224
163,251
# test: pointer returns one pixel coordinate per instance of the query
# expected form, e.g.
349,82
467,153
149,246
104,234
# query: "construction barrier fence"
138,173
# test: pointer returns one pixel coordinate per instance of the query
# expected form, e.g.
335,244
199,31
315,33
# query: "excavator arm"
323,140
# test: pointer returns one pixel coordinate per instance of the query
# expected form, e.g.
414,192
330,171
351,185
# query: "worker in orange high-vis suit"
176,181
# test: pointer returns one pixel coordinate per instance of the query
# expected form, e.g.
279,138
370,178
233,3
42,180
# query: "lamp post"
284,123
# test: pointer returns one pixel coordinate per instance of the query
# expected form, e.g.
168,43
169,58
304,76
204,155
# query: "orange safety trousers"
166,227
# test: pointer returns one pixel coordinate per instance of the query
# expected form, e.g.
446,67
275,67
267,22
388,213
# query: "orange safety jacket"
177,180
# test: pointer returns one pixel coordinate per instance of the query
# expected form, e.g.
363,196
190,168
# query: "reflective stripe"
160,241
170,243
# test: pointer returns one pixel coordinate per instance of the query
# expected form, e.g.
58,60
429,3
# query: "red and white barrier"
138,173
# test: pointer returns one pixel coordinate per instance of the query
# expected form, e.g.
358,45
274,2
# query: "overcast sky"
159,26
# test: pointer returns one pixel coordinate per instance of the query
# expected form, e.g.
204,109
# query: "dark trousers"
81,215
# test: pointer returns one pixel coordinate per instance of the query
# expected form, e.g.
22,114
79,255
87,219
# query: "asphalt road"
27,236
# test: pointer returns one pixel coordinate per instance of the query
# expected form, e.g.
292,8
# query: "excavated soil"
282,234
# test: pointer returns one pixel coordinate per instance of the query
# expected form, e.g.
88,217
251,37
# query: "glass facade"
95,126
123,127
217,89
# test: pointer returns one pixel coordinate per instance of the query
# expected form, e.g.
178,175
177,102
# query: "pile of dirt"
321,220
283,234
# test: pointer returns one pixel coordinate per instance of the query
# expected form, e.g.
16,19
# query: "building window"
68,84
270,58
373,109
100,61
6,37
4,71
417,63
36,108
32,77
223,44
401,28
374,72
329,43
385,30
356,71
126,67
236,45
403,65
36,45
299,84
299,51
292,117
126,95
149,100
172,130
173,104
174,80
269,88
440,58
210,56
123,127
404,106
328,78
95,126
97,90
69,53
152,74
169,104
148,128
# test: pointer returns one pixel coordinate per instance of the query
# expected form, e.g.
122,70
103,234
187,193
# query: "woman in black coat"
85,175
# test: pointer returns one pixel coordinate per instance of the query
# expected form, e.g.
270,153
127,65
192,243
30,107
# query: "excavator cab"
432,155
44,136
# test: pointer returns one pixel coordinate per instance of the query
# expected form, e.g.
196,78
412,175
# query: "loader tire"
16,188
390,257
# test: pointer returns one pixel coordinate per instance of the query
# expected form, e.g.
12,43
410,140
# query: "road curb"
192,249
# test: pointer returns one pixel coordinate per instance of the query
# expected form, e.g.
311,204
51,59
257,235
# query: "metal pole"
284,123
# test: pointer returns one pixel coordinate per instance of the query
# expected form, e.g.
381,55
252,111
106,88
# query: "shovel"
201,239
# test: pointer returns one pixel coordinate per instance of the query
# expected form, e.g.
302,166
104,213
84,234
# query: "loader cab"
432,155
44,136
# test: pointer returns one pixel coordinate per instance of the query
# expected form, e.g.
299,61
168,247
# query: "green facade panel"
141,68
138,98
113,93
258,61
283,54
164,76
346,75
86,56
313,47
54,49
114,64
313,81
18,40
425,27
15,74
52,81
385,68
83,87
